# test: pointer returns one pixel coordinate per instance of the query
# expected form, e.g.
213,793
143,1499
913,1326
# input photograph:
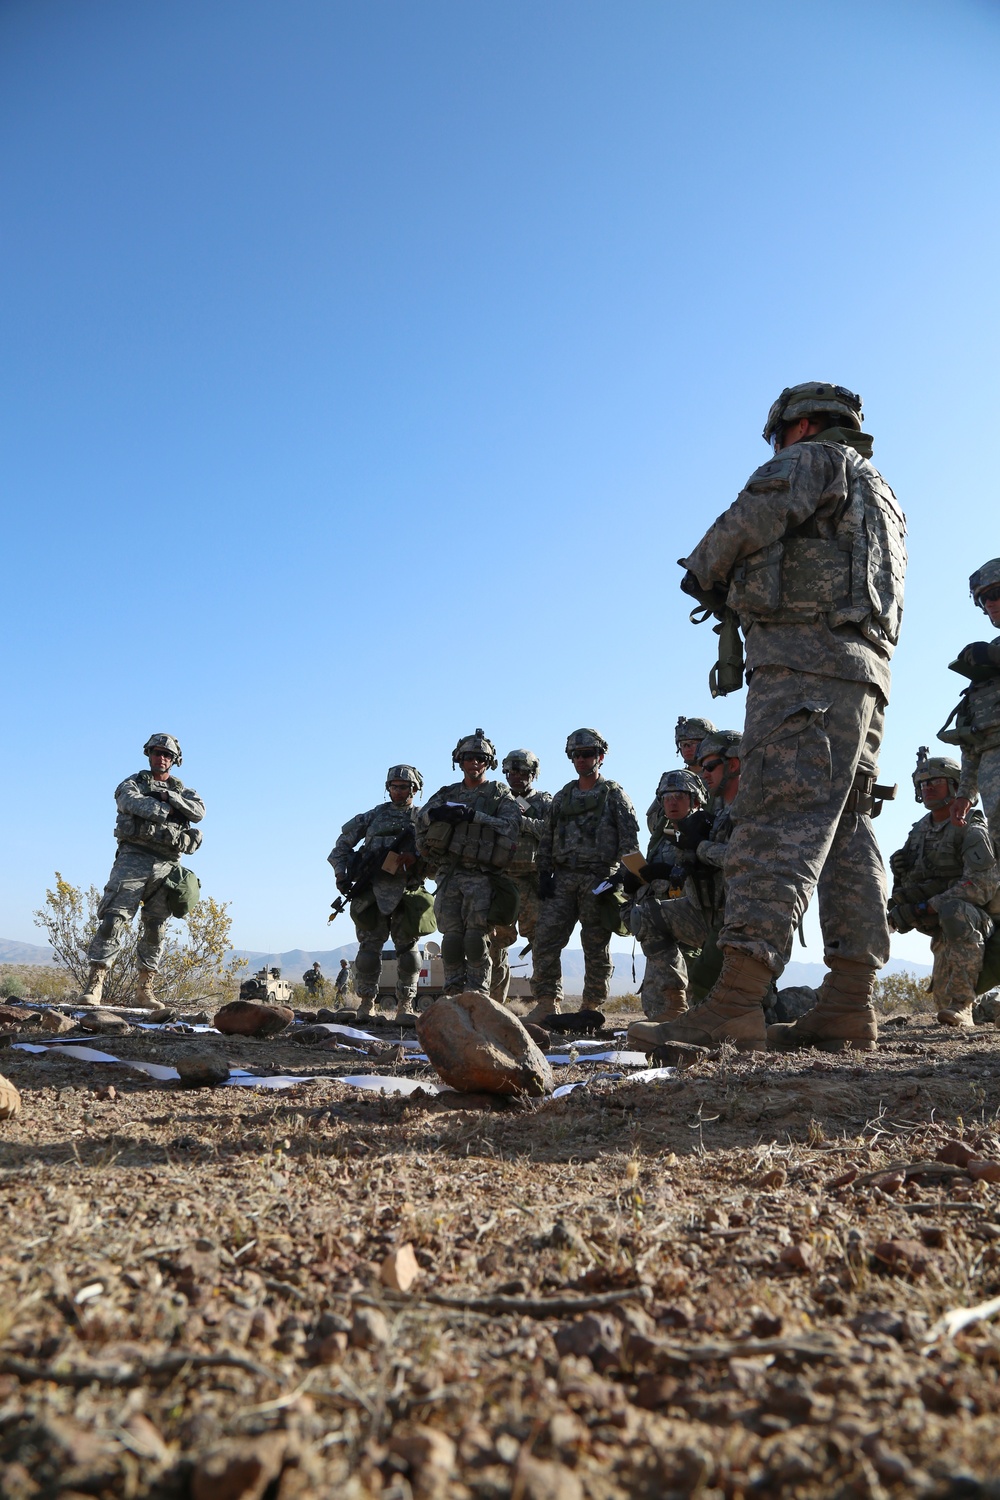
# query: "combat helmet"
682,781
586,739
929,767
163,742
724,742
521,760
470,744
405,773
692,729
811,396
984,578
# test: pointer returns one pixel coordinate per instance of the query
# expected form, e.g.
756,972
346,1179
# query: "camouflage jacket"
158,819
940,860
706,883
534,810
379,828
486,842
589,830
808,512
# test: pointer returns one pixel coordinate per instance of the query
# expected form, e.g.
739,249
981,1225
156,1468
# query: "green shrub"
902,993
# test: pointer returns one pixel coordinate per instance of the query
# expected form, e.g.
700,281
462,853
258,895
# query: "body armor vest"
474,846
583,838
525,857
935,859
387,822
170,839
852,577
974,722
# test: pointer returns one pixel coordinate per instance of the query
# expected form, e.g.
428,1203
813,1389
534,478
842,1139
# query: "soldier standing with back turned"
811,557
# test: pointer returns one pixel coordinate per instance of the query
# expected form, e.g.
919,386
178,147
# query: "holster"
866,796
727,674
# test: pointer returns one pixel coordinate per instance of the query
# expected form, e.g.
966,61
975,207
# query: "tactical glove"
656,871
631,883
452,814
977,654
343,884
546,884
693,829
713,598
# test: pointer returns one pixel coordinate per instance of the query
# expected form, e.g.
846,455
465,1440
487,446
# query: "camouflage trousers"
988,779
136,879
368,964
805,739
461,908
557,916
661,926
502,937
957,948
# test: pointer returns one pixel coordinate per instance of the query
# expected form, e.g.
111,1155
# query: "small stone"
906,1256
250,1018
201,1068
955,1154
10,1099
239,1470
676,1054
984,1171
543,1479
799,1258
776,1178
370,1328
595,1335
328,1350
106,1022
264,1327
477,1046
430,1455
889,1182
146,1439
161,1017
399,1270
55,1023
315,1036
538,1034
766,1326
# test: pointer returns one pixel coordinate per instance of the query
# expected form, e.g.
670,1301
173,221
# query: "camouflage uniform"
813,556
152,832
585,836
953,871
523,870
686,729
666,919
977,730
377,912
466,857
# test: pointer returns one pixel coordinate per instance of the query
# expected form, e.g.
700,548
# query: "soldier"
688,735
811,557
945,877
314,981
977,718
520,768
467,832
686,910
153,830
387,904
343,979
590,827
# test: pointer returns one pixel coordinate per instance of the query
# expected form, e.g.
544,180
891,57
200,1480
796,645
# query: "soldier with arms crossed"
520,768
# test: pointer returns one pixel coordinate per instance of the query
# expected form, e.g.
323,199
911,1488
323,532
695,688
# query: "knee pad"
452,950
367,964
407,962
476,947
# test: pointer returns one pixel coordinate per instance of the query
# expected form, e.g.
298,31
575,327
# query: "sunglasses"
990,595
712,765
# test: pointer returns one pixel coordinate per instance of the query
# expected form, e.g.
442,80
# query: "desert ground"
733,1281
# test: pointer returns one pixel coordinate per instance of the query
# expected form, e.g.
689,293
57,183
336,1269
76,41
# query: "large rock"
789,1004
479,1047
10,1099
251,1018
201,1067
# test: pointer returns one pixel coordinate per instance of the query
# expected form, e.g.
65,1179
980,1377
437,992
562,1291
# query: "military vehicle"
268,986
430,982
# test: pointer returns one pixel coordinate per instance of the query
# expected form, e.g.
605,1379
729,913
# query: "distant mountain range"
295,961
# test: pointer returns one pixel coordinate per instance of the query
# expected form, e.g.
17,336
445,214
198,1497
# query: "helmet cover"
692,729
163,742
811,396
983,578
682,781
586,739
470,744
521,760
405,773
724,742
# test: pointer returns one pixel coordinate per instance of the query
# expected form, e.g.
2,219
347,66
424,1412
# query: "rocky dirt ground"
728,1283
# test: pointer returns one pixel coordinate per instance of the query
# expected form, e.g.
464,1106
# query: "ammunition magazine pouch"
975,716
867,796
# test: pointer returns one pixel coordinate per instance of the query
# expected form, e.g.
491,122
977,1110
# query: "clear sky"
367,367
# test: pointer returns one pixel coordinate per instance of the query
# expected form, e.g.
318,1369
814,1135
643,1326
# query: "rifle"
365,865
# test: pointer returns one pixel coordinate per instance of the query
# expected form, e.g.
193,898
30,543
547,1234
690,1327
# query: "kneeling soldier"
155,813
944,879
385,903
467,833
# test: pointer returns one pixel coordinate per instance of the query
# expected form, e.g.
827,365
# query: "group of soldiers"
804,573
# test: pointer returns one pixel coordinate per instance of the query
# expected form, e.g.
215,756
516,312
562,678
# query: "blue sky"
367,368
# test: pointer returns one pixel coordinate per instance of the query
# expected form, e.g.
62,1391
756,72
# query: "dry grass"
769,1349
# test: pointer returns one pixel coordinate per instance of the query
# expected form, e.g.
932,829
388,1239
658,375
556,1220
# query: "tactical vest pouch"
727,674
181,891
364,911
415,916
756,583
435,839
505,901
611,912
957,728
816,574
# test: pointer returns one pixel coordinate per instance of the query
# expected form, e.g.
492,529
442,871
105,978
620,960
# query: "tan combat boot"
957,1015
843,1016
95,985
667,1005
732,1010
541,1009
366,1007
144,999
